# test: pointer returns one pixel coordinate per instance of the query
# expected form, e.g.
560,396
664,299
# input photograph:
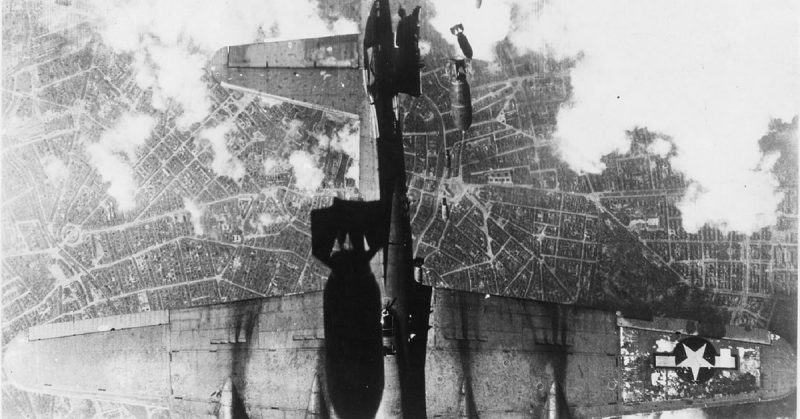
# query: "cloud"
195,214
424,48
346,139
711,78
270,192
128,134
179,76
660,147
710,75
354,172
115,153
482,36
268,101
270,164
690,413
305,164
171,41
293,127
224,162
266,219
117,173
738,200
308,176
54,169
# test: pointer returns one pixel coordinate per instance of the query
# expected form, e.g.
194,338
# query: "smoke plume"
171,41
710,75
224,162
55,169
115,153
308,176
195,214
346,140
305,164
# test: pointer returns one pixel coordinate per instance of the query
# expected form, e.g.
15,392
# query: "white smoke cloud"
268,101
178,76
115,153
270,192
117,172
195,214
424,48
171,41
55,169
353,172
270,164
308,176
224,162
128,134
267,219
660,147
345,139
483,27
738,200
710,75
691,413
293,127
348,140
306,164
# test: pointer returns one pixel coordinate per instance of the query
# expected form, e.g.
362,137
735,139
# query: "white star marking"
694,360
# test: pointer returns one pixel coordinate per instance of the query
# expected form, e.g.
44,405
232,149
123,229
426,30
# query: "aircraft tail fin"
357,220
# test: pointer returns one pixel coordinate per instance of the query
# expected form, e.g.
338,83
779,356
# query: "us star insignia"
695,359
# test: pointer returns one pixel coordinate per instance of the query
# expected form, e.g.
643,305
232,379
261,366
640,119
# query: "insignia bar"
696,359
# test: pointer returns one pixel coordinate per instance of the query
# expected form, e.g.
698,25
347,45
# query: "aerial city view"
514,204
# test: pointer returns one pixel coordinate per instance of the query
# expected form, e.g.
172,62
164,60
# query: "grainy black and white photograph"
399,209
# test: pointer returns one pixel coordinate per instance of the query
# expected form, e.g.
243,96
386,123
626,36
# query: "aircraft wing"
500,357
320,73
201,362
484,357
507,357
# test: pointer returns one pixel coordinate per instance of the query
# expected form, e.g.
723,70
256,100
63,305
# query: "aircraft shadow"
353,348
245,323
238,410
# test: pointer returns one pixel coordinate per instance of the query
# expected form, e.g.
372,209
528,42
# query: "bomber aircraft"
376,342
